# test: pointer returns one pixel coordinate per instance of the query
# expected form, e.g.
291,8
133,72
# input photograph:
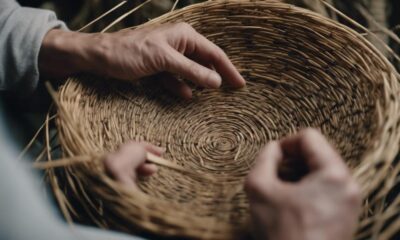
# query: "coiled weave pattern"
302,70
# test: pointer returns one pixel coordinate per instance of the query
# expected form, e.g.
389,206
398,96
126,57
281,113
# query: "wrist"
64,53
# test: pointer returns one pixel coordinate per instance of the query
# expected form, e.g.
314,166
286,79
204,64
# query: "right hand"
323,205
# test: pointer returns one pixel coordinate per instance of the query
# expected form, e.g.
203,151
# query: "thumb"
264,177
137,154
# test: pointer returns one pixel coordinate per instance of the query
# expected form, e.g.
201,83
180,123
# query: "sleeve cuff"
23,31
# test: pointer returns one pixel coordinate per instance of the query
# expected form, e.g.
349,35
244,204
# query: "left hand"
129,161
174,49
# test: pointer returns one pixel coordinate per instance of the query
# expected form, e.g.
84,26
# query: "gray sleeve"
22,30
24,211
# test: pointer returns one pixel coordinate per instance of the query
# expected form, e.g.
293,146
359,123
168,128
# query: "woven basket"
302,70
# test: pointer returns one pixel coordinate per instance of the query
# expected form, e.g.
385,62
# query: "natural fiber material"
302,70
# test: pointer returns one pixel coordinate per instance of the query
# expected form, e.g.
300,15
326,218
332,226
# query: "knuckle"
184,26
151,43
309,133
218,54
255,185
207,76
194,69
163,58
309,137
127,150
127,146
337,176
353,193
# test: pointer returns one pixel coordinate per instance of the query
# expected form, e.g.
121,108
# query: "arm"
36,43
174,49
323,205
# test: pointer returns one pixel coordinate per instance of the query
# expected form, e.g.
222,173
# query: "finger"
177,87
135,152
112,166
268,161
206,51
181,65
147,169
204,63
153,148
263,178
313,148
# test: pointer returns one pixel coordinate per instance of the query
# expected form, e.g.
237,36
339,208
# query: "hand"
324,204
132,54
130,160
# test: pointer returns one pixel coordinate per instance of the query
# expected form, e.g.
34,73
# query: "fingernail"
214,81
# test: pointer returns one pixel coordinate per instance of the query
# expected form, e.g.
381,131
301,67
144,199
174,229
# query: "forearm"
64,53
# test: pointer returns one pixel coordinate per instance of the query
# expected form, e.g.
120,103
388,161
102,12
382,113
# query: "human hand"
324,204
174,49
129,161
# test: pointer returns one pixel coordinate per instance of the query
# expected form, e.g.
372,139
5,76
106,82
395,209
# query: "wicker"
302,70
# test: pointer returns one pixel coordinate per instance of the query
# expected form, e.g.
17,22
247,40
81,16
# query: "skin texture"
170,49
324,204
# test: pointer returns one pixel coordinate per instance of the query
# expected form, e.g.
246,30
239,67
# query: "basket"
302,70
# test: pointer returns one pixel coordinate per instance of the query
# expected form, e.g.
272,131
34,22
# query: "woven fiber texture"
302,70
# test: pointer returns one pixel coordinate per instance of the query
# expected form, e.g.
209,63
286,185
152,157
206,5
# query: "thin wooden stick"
356,24
63,162
101,16
163,162
174,6
381,28
34,138
124,16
